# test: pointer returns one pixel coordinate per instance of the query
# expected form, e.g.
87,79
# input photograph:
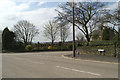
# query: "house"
97,35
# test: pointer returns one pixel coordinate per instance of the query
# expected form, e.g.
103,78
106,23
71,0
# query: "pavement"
54,65
93,57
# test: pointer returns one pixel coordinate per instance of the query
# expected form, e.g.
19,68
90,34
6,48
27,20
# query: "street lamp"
73,30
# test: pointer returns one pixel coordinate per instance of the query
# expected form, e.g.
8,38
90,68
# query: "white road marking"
96,74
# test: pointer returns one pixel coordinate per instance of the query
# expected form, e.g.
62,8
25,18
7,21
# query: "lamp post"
73,30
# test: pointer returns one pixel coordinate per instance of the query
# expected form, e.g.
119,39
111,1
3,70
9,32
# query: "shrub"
85,44
28,48
49,47
7,38
95,36
69,46
15,47
44,48
108,34
79,44
57,47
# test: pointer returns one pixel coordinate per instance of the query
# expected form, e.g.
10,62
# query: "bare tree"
117,14
110,17
51,31
25,31
116,17
64,29
85,13
80,37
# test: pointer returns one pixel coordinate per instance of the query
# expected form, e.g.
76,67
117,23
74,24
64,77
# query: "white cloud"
20,7
9,12
12,13
5,4
112,6
40,3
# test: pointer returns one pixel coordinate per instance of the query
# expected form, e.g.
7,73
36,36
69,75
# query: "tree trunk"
52,43
88,39
25,43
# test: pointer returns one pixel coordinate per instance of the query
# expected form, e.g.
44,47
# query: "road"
53,65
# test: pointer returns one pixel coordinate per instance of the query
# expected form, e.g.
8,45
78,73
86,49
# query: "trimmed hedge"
101,43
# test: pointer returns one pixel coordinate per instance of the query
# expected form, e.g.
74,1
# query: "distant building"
97,33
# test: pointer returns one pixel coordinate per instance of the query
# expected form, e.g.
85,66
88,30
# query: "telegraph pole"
73,30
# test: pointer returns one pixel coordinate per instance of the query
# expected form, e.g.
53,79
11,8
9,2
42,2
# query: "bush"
44,48
16,46
79,44
28,48
85,44
95,36
49,47
108,34
69,46
7,38
57,47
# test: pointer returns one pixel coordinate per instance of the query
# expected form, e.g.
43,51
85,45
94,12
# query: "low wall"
109,50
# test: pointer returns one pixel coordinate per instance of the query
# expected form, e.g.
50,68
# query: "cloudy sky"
37,12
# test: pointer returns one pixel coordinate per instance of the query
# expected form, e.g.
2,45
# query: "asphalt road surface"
53,65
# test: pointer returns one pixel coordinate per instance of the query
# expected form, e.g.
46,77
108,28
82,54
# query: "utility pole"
73,30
